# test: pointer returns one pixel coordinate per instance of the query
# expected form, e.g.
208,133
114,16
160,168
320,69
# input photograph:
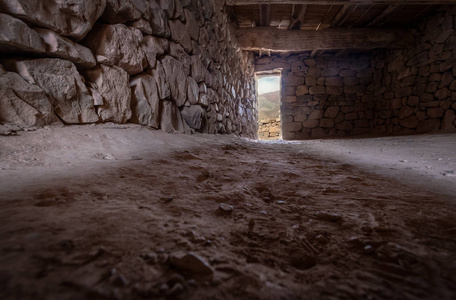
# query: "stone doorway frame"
263,74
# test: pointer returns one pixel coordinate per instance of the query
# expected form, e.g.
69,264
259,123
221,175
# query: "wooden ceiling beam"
342,15
273,39
340,2
299,16
382,15
265,15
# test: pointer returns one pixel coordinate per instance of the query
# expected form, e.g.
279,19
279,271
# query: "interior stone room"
141,157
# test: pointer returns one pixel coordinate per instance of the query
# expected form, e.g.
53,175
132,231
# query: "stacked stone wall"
269,129
324,96
415,88
402,91
169,64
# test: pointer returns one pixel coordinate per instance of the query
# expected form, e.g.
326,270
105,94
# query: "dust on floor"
120,212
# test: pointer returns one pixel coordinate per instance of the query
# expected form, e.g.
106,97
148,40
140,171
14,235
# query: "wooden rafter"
267,38
342,15
382,15
299,15
323,20
360,17
265,15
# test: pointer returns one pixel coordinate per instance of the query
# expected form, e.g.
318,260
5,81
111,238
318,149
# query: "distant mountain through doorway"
269,105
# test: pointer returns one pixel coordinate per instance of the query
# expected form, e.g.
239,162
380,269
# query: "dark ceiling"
328,14
317,17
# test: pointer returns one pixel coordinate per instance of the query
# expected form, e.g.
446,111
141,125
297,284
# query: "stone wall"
415,89
324,96
383,92
169,64
269,129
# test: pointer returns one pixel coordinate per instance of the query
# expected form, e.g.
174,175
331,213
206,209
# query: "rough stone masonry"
175,65
401,91
169,64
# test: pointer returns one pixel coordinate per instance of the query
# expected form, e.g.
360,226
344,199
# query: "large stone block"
311,80
288,135
123,11
442,93
16,36
447,64
327,123
179,11
142,25
409,122
434,112
179,34
177,79
330,72
347,73
364,123
178,52
408,81
198,71
344,126
334,81
117,45
449,120
289,99
73,19
403,92
204,100
293,126
152,47
192,91
334,90
297,118
194,116
292,80
443,35
396,64
301,90
453,85
60,47
418,59
159,22
23,103
429,125
158,73
316,114
317,90
311,124
113,84
168,6
60,80
193,27
145,103
351,116
331,112
171,118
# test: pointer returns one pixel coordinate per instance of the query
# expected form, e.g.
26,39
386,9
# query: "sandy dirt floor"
124,212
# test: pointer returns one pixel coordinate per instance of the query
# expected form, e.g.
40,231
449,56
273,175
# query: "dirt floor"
124,212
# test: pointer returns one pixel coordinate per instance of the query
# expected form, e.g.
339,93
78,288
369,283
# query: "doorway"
269,121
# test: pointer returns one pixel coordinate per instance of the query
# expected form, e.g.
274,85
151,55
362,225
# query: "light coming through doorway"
269,125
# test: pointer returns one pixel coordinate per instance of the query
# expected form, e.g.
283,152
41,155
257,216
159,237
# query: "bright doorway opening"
269,122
